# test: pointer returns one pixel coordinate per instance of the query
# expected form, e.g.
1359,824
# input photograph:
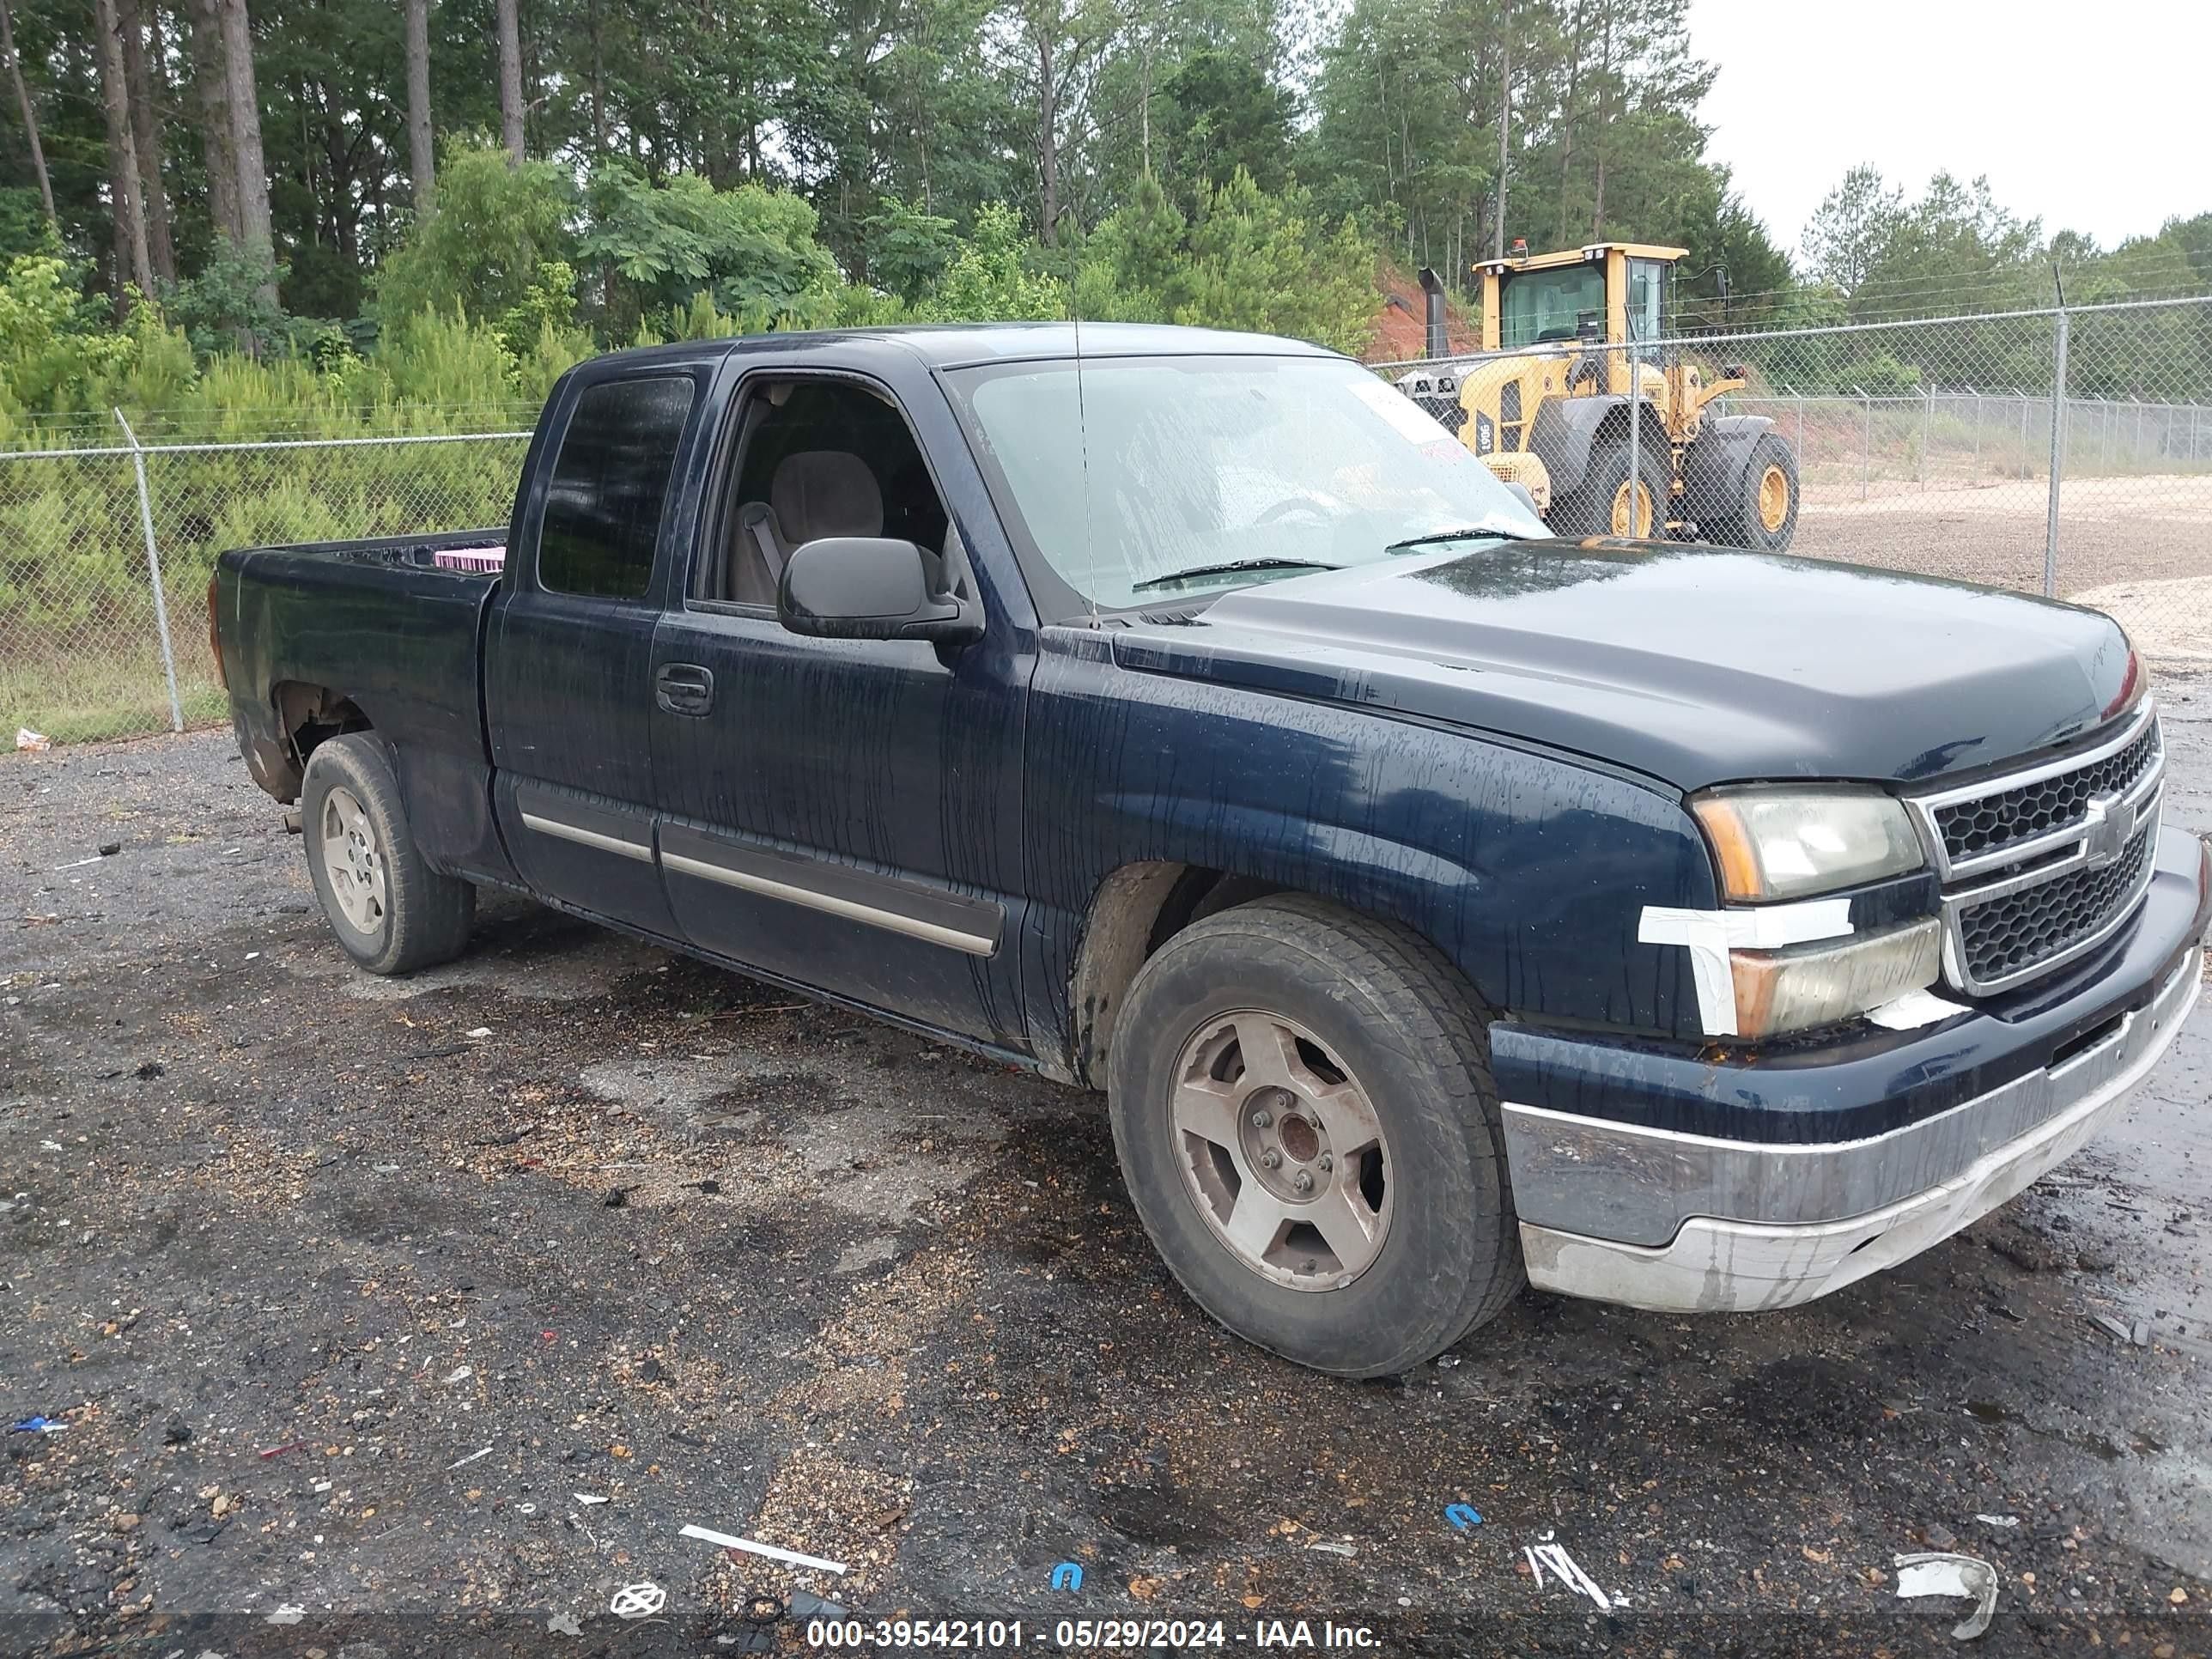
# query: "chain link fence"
2066,452
106,551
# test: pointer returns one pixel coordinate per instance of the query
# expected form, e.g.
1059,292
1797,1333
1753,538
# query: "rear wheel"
1764,515
1302,1102
1605,505
389,910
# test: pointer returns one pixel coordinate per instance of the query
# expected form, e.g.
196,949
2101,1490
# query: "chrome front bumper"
1682,1223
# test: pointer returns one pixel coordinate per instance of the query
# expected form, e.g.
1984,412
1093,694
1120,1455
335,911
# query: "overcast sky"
2095,115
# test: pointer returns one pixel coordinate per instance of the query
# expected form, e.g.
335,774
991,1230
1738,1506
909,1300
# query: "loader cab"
1613,292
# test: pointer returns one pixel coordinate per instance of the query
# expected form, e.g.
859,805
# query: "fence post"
153,571
1866,446
1927,408
2058,460
2023,437
1634,447
1977,434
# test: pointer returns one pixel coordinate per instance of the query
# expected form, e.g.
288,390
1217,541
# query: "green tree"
751,250
1219,113
989,279
485,249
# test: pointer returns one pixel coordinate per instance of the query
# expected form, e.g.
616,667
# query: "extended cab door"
568,676
844,814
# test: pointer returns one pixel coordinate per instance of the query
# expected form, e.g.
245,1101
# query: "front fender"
1528,868
1713,466
1564,433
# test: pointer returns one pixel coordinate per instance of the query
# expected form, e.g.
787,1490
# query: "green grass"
83,697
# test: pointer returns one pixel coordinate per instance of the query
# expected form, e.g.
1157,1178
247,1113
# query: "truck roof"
952,345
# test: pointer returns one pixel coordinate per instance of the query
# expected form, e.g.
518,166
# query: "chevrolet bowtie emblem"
2105,832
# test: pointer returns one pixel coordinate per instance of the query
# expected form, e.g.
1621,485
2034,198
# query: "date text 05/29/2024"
1087,1635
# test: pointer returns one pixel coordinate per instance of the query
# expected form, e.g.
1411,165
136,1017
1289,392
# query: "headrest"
825,492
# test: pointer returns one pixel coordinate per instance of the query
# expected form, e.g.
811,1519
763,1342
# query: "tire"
391,911
1387,1014
1764,515
1588,509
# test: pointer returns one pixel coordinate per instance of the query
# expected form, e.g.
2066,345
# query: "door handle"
683,688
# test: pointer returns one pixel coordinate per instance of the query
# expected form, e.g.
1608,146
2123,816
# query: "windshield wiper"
1229,570
1492,531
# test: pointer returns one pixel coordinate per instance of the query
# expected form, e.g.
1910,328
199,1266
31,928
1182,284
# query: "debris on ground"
1998,1520
1329,1547
36,742
789,1557
37,1426
1562,1567
564,1624
638,1600
588,1498
1462,1515
804,1605
2115,1329
480,1451
288,1614
1941,1574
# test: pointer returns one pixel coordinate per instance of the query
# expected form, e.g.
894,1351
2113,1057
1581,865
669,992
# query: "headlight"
1788,843
1793,990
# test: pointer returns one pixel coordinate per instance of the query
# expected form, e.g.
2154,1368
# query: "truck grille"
2040,867
2022,930
1993,822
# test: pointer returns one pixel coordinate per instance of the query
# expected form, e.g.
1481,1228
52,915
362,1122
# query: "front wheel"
390,910
1605,505
1302,1103
1763,514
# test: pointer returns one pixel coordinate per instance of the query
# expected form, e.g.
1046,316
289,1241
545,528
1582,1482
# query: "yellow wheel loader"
1546,404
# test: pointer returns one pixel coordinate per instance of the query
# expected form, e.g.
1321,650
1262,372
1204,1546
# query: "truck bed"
383,623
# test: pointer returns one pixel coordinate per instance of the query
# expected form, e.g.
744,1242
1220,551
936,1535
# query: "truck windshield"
1204,473
1539,305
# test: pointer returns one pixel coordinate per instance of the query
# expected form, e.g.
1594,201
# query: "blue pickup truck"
1443,906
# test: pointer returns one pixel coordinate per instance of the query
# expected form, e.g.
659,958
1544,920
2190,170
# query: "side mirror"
870,587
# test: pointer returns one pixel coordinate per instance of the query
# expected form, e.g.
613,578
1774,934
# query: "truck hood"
1695,664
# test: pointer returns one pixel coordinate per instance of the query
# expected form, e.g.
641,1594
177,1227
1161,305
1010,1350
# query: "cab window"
1647,299
608,490
1538,305
819,457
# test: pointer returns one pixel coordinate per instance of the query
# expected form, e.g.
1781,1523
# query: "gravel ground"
2140,548
351,1293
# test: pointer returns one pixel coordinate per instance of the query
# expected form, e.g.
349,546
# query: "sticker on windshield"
1406,418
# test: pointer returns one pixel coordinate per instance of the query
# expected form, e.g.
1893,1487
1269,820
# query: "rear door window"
609,487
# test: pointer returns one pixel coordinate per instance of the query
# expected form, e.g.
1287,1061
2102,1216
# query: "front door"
568,679
841,813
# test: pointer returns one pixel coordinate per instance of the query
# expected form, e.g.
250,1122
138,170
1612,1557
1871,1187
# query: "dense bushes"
518,275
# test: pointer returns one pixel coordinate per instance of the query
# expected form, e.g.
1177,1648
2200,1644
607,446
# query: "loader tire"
1599,505
1763,514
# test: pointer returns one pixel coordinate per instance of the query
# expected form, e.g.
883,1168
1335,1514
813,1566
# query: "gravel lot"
351,1293
2140,547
